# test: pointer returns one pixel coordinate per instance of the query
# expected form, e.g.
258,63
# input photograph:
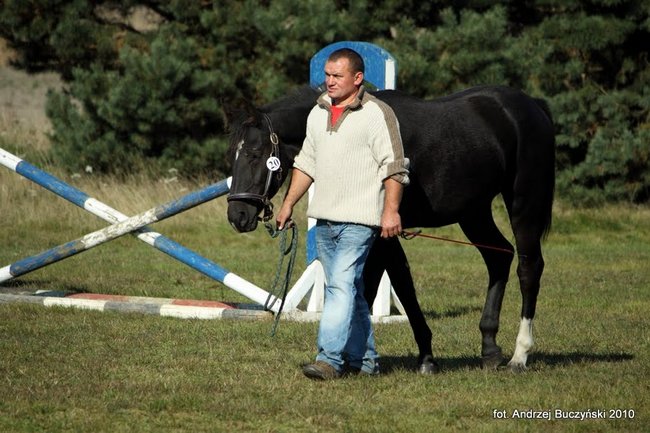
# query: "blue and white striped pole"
113,216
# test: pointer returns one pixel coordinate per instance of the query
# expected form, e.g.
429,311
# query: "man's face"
342,84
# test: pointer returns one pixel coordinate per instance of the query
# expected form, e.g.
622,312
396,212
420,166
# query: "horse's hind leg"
530,217
387,254
481,229
529,271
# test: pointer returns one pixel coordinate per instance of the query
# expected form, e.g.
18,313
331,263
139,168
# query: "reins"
280,286
410,235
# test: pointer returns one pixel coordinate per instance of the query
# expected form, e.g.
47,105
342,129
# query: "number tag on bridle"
273,163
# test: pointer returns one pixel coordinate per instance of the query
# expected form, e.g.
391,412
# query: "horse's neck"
289,116
289,151
292,126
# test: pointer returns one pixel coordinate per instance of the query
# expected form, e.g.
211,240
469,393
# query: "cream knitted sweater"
350,160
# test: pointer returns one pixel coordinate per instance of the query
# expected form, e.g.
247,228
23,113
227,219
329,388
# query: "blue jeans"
345,332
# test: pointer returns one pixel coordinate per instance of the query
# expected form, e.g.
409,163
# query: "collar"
325,101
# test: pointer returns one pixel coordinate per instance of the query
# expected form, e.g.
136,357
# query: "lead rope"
280,286
411,235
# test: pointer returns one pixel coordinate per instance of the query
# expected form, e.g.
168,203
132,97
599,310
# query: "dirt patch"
6,54
23,95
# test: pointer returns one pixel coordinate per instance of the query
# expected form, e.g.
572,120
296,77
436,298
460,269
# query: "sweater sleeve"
305,161
386,144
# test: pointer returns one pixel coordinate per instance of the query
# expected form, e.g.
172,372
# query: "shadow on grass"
567,359
451,313
21,283
390,364
21,287
537,360
31,286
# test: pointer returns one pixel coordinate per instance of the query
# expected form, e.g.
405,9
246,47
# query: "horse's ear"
254,115
249,108
236,113
229,114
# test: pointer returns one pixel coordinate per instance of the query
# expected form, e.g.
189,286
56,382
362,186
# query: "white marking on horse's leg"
524,344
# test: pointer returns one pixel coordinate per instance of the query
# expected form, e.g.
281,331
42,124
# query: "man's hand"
391,222
300,183
283,219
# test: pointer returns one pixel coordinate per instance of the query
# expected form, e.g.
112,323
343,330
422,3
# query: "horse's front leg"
481,229
388,255
491,353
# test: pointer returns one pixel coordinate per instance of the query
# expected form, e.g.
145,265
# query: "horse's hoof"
517,367
428,366
493,361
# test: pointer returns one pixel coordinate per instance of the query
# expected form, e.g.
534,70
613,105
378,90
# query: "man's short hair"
356,61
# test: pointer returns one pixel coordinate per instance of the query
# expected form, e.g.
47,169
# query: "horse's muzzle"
242,216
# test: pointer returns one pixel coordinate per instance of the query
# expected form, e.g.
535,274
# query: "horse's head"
259,140
258,170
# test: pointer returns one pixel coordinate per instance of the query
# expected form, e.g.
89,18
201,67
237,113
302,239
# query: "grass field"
73,370
70,370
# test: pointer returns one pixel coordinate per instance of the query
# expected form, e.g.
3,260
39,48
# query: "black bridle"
263,198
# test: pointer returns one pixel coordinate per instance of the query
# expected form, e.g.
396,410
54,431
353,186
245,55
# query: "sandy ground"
22,97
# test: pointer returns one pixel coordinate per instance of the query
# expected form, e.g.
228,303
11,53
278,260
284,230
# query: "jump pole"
135,224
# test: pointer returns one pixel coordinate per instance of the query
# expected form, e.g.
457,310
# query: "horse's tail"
541,103
534,186
547,142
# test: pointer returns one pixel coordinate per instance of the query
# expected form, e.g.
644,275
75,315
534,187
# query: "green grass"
72,370
67,370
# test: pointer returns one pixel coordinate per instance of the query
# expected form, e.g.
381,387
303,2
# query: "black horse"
464,149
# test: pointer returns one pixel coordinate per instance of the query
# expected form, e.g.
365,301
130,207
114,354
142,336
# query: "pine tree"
158,93
587,59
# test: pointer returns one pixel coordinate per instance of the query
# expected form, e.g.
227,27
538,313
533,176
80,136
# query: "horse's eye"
252,154
252,151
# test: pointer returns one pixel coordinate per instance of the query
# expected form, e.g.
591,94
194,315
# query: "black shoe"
320,370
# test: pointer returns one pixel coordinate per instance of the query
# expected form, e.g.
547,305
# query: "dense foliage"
156,88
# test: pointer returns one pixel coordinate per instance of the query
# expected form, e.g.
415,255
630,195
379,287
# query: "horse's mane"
303,96
300,96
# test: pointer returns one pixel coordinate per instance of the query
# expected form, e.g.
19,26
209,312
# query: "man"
353,154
